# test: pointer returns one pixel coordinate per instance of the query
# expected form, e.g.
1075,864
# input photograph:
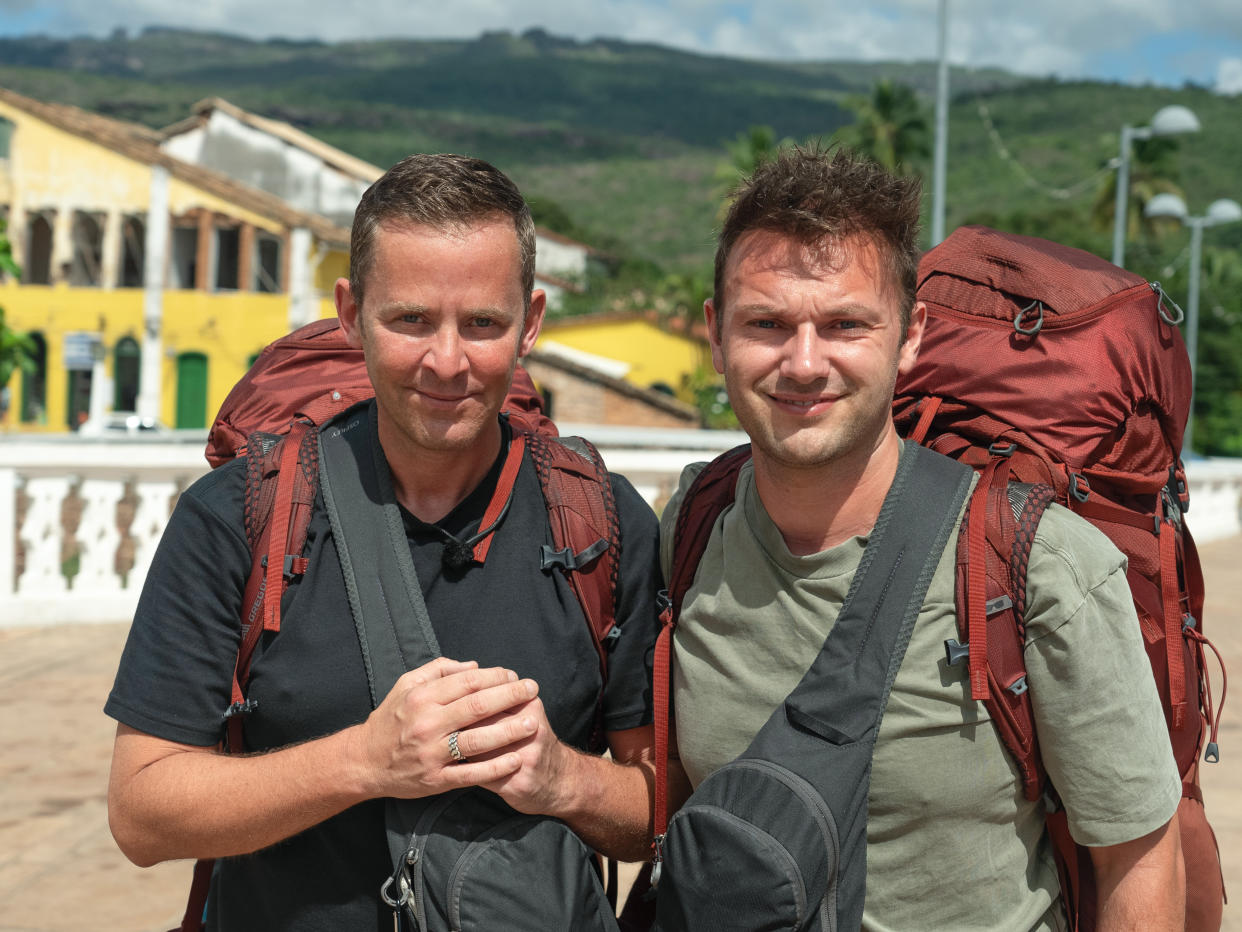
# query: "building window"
87,249
227,246
126,364
6,137
38,269
133,252
267,263
34,384
184,257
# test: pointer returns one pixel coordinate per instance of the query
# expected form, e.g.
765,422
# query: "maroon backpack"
272,416
1051,366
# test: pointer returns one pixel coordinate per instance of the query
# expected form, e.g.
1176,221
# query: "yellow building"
651,353
153,278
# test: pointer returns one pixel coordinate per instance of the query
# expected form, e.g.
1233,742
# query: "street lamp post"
1168,121
1218,212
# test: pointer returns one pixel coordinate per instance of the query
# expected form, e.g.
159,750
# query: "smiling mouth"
805,403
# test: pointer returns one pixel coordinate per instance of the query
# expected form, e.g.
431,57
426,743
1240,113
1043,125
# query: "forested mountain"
625,145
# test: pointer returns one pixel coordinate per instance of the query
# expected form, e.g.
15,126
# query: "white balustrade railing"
80,520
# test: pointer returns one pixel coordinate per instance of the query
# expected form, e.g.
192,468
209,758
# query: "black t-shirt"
308,680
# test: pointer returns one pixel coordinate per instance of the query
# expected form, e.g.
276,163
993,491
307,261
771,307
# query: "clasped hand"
502,732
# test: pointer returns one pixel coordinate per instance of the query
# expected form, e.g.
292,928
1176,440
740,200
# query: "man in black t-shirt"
440,299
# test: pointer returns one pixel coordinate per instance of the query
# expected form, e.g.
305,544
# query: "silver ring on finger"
454,750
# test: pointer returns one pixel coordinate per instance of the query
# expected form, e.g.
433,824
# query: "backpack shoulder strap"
993,551
711,492
586,537
282,474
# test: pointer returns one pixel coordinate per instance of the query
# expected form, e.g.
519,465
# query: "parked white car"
116,423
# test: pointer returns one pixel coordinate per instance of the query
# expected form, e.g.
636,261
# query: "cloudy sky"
1137,41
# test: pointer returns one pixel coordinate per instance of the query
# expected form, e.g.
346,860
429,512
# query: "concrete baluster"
150,517
98,537
42,534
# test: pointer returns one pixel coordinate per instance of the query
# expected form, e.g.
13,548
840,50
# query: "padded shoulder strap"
586,538
993,551
711,492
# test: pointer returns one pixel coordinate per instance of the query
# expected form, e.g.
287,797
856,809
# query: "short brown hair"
821,197
444,192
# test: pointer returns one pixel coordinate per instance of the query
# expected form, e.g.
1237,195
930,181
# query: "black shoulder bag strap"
836,709
394,629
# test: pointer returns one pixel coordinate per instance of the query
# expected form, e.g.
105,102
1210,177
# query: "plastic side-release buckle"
566,559
954,652
1018,686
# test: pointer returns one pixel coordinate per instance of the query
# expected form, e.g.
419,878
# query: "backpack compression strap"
993,551
711,492
586,538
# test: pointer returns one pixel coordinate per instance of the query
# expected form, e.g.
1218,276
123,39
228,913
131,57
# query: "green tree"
744,154
1218,382
890,127
16,349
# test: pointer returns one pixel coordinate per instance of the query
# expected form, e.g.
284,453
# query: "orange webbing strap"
661,673
976,577
927,413
500,498
1172,624
282,514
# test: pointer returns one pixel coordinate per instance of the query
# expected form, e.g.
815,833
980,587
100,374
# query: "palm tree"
890,128
1153,170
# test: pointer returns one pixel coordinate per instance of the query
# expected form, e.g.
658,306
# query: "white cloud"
1229,76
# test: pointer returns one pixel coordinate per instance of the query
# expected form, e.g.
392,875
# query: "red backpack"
272,416
1048,365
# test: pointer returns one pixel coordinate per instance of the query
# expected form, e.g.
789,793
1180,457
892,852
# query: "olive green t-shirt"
951,841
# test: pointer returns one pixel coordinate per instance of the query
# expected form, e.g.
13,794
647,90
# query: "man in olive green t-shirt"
812,319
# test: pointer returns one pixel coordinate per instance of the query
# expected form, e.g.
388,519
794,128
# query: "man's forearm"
1142,884
199,803
610,807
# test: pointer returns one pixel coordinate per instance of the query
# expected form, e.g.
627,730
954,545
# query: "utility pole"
942,128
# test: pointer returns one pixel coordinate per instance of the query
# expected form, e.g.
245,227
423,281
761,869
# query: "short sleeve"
1098,716
175,676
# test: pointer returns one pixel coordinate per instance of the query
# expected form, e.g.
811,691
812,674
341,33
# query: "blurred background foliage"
632,148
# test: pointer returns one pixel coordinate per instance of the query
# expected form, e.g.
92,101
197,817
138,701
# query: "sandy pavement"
60,870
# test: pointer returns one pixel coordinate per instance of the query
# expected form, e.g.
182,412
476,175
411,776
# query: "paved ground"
59,869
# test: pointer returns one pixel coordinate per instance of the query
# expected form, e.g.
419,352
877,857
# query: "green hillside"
619,143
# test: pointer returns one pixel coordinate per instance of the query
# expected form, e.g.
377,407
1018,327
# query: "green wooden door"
191,390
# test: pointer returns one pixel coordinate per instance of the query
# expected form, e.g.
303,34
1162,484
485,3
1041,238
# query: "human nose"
806,357
447,358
